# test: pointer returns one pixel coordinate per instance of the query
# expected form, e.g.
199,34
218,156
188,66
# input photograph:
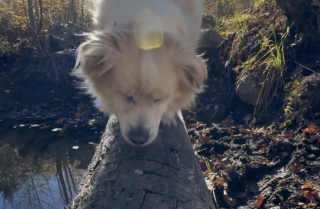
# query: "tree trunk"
163,175
33,32
41,15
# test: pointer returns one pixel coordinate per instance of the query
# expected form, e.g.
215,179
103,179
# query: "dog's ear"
97,55
194,69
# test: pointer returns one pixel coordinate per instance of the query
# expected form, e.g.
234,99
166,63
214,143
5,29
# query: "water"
41,168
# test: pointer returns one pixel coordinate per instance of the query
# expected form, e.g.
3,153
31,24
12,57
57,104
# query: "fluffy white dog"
140,62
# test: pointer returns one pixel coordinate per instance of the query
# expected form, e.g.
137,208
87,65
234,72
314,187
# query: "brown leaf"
310,129
207,107
263,149
311,195
296,181
259,201
288,135
193,140
219,182
296,169
307,185
301,203
202,161
203,138
232,134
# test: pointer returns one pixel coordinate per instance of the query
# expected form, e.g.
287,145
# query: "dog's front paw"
168,119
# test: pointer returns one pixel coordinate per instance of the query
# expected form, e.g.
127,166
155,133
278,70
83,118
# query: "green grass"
269,64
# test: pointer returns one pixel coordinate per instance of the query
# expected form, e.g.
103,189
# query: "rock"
209,42
208,22
248,89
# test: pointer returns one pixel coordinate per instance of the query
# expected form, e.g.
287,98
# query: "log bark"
163,175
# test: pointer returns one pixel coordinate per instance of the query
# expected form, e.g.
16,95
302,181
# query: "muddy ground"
272,161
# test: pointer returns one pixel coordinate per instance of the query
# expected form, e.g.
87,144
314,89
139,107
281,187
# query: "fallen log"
163,175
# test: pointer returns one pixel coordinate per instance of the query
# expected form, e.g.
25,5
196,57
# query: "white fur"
114,67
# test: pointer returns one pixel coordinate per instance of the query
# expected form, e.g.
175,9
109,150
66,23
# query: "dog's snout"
139,135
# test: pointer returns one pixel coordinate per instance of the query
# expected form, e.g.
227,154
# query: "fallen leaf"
310,129
301,203
307,185
311,195
202,161
207,107
219,182
193,140
276,140
296,181
296,169
203,138
263,149
259,201
288,135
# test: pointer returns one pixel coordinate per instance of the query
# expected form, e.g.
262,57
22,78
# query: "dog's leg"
168,119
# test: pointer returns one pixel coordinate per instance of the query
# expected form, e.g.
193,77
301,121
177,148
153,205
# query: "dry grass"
269,65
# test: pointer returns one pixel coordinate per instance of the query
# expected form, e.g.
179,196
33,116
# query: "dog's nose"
139,135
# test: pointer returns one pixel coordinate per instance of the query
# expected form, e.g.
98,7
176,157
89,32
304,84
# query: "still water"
41,167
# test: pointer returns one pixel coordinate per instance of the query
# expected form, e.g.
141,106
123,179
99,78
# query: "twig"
305,67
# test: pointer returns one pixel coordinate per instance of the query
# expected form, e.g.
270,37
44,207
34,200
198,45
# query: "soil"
247,161
259,161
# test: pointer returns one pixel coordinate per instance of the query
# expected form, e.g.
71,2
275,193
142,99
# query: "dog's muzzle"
139,135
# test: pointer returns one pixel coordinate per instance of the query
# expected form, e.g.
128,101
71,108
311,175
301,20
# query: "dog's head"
139,86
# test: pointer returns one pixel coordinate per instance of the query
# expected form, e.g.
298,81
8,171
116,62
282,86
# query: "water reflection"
41,169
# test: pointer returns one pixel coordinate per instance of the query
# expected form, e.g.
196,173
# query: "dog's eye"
130,99
157,100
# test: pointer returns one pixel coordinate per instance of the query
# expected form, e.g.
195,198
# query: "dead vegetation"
28,23
264,43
